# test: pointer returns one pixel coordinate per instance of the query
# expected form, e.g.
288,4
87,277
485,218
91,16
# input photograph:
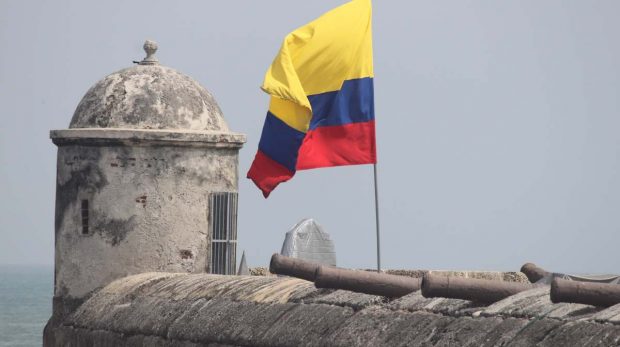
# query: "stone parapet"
210,310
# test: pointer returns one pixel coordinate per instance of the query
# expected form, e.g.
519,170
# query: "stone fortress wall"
159,309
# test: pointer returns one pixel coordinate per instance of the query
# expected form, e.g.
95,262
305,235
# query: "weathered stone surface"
503,333
224,321
377,327
132,137
466,331
535,331
566,311
345,298
69,336
452,307
524,304
307,325
609,315
410,273
410,302
147,211
206,310
582,334
260,271
148,97
145,148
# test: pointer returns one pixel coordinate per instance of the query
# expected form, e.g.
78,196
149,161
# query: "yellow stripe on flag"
295,116
321,55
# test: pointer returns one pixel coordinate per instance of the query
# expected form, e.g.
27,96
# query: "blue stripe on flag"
353,103
280,142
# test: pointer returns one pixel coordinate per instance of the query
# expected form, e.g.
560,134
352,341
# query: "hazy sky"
497,122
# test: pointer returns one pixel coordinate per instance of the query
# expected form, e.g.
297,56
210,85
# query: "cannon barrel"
533,272
293,267
596,294
483,291
360,281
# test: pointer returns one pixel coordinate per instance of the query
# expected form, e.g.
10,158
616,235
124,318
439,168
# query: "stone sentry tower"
147,180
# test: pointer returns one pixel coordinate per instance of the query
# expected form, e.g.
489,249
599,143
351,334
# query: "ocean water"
25,304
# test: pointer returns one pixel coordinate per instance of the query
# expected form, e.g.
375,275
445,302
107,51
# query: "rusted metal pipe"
360,281
294,267
533,272
483,291
588,293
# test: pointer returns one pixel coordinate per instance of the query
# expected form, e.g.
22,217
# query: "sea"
25,304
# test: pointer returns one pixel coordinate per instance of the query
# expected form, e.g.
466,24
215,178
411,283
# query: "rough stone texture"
410,273
611,314
450,307
128,137
147,211
260,271
148,97
145,147
211,310
356,301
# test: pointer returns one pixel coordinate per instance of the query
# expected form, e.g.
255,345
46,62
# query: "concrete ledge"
133,137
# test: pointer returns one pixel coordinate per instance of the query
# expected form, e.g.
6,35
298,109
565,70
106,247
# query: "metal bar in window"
219,229
223,234
216,221
234,237
227,229
211,231
223,228
84,213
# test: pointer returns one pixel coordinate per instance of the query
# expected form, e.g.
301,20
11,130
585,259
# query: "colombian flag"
321,111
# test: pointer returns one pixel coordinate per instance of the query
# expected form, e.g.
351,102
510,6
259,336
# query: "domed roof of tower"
149,96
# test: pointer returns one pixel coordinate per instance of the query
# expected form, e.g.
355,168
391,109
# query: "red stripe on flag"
348,144
267,173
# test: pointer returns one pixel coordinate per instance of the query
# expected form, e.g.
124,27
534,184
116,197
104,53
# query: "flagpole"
377,220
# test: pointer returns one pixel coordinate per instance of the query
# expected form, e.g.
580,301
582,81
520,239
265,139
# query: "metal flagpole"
377,220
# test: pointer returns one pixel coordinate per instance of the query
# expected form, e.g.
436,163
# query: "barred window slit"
85,217
223,228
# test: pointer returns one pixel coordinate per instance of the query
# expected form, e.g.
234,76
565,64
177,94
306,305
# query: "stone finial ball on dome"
149,96
150,47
